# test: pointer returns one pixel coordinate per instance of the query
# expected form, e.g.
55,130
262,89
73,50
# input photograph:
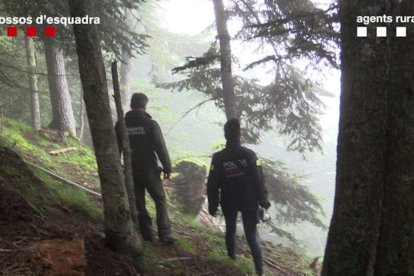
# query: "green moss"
79,202
65,196
34,196
16,125
192,222
185,245
17,140
36,146
243,264
147,260
79,161
10,170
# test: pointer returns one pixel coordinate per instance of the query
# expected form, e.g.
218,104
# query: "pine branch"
294,16
186,113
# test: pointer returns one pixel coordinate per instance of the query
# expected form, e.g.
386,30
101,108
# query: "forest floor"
48,227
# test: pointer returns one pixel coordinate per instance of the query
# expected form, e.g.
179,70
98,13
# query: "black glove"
265,204
212,210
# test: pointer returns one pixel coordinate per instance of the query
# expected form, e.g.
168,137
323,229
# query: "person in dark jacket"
236,183
147,147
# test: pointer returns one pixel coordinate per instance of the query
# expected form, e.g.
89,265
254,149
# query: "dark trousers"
249,218
151,181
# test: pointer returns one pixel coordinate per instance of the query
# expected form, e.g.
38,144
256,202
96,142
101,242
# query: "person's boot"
168,238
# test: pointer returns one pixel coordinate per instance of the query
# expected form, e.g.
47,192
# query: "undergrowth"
35,147
203,243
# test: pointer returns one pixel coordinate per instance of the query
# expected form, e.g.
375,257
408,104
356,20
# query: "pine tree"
291,103
34,93
373,219
225,61
63,118
119,228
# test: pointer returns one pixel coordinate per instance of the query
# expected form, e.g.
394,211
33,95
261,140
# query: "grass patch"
214,239
243,264
147,260
185,245
83,157
74,199
35,146
13,137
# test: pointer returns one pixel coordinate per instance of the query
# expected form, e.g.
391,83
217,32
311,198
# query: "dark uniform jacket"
146,140
236,179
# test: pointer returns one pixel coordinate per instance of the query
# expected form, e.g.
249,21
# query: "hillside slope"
47,225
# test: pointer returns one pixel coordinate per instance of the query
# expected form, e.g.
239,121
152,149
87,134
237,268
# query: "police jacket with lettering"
146,142
236,179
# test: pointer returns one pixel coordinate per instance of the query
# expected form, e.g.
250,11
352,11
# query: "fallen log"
63,179
275,266
60,151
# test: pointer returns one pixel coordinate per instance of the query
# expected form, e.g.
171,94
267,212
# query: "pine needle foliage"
294,201
291,105
288,32
114,31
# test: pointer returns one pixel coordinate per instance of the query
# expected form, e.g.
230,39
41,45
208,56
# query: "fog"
319,168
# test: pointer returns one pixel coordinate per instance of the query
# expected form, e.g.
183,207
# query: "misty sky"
194,16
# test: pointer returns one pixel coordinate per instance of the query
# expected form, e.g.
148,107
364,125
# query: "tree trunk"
119,229
81,117
125,70
126,149
354,230
124,78
63,117
395,249
225,58
31,65
372,228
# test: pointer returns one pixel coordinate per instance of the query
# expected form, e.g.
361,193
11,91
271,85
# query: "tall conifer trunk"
63,118
124,78
119,229
372,228
354,230
395,249
125,69
225,58
34,94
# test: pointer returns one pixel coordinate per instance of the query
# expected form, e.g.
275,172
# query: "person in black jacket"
236,183
147,143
